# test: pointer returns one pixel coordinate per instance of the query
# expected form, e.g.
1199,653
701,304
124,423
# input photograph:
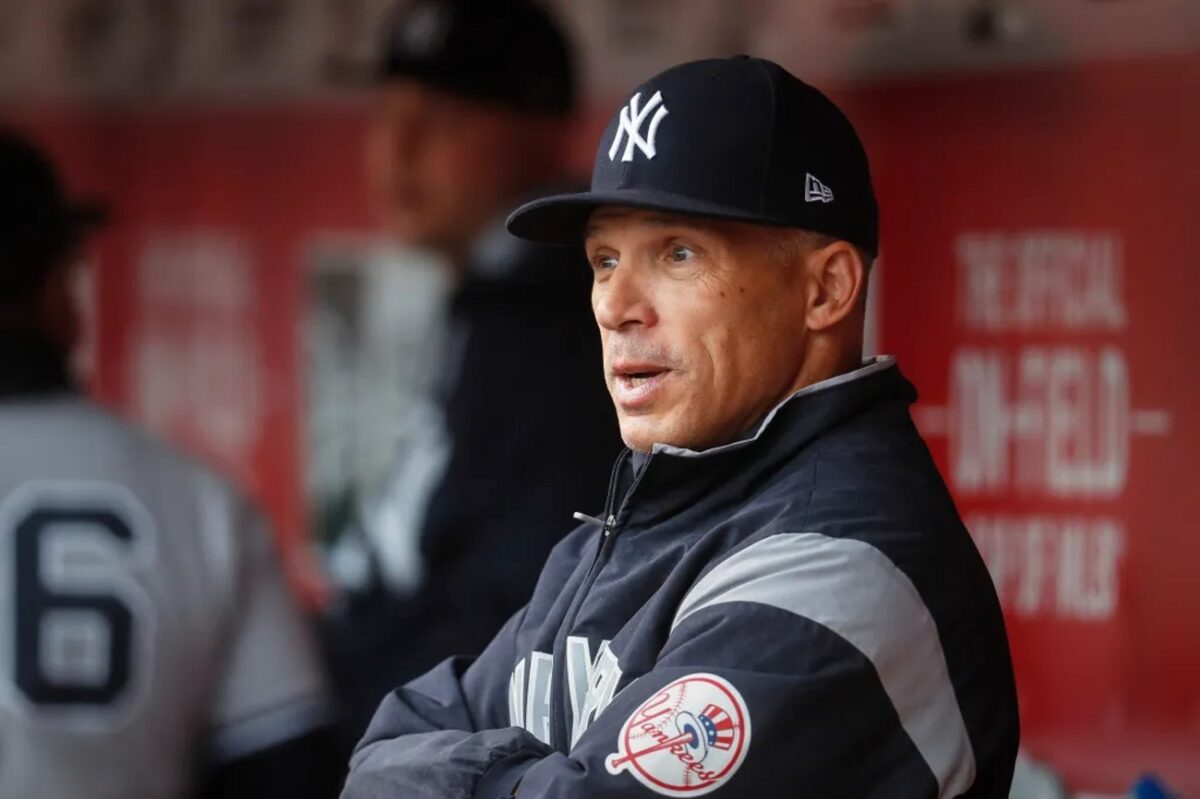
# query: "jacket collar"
31,365
870,366
669,478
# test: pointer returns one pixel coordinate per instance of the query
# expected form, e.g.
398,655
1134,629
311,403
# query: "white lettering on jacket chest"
591,685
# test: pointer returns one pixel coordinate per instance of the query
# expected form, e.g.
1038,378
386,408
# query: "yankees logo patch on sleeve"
686,740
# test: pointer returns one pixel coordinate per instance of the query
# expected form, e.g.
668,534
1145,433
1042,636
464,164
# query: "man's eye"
604,262
679,253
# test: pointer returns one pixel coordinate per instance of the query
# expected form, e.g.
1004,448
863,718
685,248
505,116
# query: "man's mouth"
636,385
637,370
637,378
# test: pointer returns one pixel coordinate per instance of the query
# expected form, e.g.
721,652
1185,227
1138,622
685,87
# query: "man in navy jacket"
779,598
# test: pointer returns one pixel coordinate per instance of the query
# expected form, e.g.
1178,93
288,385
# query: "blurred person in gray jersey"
149,644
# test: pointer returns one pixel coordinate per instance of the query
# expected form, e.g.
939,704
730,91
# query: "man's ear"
837,279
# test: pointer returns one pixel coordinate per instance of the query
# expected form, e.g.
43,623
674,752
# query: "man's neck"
825,360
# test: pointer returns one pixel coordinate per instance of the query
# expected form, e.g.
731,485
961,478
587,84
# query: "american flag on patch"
718,727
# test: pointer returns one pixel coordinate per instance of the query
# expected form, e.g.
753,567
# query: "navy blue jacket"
798,613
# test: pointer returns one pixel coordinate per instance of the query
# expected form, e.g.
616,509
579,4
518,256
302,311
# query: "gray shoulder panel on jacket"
853,589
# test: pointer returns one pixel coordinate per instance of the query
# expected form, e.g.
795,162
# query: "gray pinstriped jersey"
143,614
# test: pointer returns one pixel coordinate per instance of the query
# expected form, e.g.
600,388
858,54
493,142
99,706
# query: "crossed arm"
804,708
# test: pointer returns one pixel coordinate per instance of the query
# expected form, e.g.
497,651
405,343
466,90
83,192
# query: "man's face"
440,167
702,323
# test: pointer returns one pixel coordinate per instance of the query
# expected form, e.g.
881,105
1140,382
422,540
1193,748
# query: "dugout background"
1039,180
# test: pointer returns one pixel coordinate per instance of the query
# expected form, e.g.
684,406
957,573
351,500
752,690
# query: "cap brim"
562,219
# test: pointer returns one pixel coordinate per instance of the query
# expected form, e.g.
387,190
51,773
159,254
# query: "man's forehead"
404,92
609,217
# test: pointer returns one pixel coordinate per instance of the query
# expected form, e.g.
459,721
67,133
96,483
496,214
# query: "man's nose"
623,300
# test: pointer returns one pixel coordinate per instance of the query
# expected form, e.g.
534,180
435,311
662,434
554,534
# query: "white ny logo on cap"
630,126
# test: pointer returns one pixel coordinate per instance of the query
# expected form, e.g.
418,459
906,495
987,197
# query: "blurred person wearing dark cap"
779,599
472,105
149,644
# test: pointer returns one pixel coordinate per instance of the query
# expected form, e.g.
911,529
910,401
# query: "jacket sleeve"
799,666
409,740
459,694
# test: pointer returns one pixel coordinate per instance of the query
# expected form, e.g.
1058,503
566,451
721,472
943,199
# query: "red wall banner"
198,280
1040,277
1041,232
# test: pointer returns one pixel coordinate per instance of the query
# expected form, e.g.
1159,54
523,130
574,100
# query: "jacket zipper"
558,725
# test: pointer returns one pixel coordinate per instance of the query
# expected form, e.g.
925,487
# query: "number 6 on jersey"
75,625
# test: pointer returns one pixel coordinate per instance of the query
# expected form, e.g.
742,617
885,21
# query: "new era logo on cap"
630,127
815,191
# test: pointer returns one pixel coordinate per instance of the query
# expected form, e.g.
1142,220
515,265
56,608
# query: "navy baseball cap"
511,52
738,138
38,222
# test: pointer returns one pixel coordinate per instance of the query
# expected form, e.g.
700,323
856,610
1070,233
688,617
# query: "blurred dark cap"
511,52
39,224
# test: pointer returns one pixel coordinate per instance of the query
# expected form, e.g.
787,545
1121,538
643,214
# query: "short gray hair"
794,243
